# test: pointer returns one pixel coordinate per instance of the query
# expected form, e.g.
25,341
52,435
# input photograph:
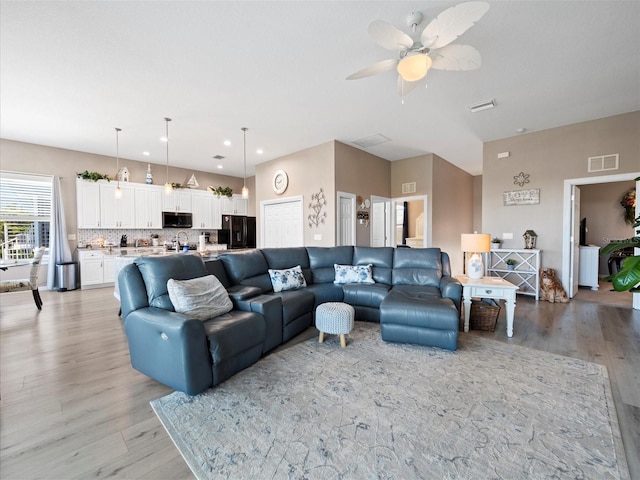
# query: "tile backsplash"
113,235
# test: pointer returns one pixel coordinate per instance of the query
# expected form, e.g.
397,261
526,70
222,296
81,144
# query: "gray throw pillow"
201,298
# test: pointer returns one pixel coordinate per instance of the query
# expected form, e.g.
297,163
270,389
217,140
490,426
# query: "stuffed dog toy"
550,287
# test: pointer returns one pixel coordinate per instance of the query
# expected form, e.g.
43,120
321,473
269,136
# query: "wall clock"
280,182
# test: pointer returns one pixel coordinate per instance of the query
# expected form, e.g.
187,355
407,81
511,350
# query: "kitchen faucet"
178,239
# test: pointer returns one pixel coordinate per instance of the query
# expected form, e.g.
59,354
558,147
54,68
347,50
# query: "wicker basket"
484,314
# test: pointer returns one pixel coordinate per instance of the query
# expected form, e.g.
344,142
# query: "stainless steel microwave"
177,220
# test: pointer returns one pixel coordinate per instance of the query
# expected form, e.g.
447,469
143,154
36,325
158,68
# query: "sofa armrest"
451,288
270,307
169,347
243,292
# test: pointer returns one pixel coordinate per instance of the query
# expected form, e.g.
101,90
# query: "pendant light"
118,192
168,189
245,190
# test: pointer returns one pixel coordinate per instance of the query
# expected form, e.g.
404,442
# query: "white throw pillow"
201,298
288,279
353,274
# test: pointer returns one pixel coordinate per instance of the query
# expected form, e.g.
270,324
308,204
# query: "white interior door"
346,231
575,240
282,223
380,222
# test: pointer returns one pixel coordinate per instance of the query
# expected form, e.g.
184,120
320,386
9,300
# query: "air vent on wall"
409,187
603,163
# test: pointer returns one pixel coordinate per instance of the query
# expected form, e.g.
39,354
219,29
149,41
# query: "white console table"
525,274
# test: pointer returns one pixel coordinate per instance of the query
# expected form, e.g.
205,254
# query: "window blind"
25,197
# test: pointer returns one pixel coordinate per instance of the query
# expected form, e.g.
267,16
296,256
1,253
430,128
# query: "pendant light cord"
167,120
118,130
245,190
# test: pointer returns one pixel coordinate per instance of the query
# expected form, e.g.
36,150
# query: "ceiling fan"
431,50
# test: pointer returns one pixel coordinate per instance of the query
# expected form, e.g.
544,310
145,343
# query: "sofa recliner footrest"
424,321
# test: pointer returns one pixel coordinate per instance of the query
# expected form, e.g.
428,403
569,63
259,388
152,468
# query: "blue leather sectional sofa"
414,297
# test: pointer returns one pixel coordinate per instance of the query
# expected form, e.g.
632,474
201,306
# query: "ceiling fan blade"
456,57
379,67
388,36
405,87
452,23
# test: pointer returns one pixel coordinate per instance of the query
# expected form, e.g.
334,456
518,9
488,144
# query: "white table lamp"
474,245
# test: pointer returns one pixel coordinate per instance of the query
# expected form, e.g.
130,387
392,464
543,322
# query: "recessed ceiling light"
146,154
483,106
227,143
163,139
259,151
220,167
521,130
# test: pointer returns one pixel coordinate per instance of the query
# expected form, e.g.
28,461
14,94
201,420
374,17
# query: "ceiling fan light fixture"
414,66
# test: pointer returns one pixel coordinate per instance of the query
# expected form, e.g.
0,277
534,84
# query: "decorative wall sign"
522,197
521,179
318,202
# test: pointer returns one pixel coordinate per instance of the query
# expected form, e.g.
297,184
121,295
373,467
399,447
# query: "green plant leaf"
619,245
629,275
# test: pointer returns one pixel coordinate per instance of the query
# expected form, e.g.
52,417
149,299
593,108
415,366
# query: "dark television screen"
583,231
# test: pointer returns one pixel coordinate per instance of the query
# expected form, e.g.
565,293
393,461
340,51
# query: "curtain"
405,223
59,251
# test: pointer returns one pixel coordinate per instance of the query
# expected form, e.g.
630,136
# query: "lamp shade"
475,242
413,67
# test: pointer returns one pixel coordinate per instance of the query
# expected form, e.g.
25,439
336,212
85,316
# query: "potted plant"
511,263
628,278
219,191
496,243
95,176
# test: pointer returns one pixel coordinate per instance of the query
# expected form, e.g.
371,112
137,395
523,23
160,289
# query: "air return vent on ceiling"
603,163
409,187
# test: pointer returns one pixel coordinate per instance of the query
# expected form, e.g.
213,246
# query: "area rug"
375,410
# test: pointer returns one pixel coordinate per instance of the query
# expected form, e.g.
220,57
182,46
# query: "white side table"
488,287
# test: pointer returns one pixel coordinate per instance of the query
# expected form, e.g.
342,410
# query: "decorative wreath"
628,202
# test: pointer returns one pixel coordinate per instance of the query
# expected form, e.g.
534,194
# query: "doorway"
569,243
409,217
381,222
346,219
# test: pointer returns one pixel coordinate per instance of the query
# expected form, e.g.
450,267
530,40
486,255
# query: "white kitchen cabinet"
179,200
236,205
588,266
226,205
216,213
96,269
240,205
148,206
117,212
88,203
202,207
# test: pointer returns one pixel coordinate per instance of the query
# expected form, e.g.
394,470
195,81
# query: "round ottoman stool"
335,318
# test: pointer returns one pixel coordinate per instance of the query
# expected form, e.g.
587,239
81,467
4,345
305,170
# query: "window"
25,213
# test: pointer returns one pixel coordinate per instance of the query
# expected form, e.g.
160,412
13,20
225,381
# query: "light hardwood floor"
72,407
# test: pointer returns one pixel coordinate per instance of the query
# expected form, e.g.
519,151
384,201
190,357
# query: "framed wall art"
521,197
